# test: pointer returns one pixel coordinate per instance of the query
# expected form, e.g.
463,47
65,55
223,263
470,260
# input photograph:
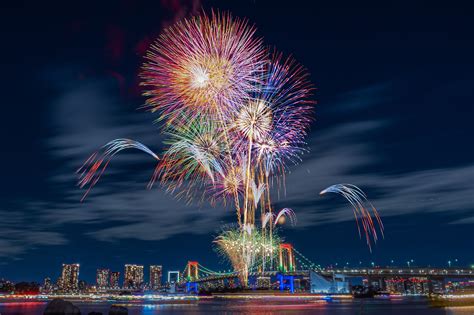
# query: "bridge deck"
361,272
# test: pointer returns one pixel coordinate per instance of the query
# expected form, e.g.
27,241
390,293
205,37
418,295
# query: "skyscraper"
47,285
102,278
70,277
114,279
155,276
133,276
82,286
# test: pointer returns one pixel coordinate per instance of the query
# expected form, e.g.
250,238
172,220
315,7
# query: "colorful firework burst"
202,64
234,115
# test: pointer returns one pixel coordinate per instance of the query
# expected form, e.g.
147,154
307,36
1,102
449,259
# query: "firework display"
248,251
89,173
203,64
362,208
234,115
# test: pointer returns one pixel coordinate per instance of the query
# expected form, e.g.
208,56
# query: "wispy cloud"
346,154
87,114
17,235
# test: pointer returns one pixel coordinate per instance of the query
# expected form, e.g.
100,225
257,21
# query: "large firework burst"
203,64
234,115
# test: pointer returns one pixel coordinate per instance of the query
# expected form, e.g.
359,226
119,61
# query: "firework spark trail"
91,171
363,214
257,192
266,218
286,212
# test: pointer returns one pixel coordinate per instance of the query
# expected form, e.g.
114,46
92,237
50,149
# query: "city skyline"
409,279
164,273
390,118
134,277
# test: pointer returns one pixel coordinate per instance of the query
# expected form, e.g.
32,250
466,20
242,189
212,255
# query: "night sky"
394,116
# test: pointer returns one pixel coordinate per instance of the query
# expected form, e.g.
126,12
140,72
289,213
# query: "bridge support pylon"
192,270
286,282
286,258
192,287
192,276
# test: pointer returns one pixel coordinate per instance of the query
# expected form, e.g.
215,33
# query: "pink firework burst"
202,64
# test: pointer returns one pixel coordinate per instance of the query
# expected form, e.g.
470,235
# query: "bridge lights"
450,262
192,270
287,259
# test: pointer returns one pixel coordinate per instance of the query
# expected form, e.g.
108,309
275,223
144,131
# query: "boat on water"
362,292
453,299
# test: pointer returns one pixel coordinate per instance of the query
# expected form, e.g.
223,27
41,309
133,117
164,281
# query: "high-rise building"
47,285
82,286
59,283
114,279
155,276
133,278
70,277
102,278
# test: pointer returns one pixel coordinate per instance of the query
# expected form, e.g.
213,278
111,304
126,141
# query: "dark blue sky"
394,116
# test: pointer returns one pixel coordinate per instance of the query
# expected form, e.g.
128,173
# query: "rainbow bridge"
196,276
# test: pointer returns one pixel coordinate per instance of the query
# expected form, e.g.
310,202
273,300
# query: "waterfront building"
437,286
70,278
102,278
395,285
47,285
156,272
6,286
114,279
82,286
133,278
263,282
414,285
319,284
59,283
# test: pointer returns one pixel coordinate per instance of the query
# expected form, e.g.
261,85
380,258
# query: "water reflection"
360,307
